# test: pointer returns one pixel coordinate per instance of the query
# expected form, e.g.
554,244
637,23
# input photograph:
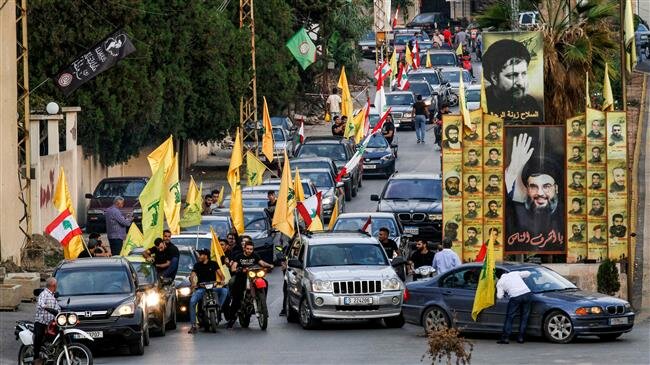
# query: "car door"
492,318
294,276
458,289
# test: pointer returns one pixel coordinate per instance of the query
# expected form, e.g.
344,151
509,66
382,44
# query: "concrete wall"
584,276
11,239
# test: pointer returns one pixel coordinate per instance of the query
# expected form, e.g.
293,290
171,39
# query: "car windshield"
125,189
221,227
454,76
526,18
278,135
301,165
403,39
146,273
249,202
420,88
430,77
642,28
254,221
377,141
280,122
194,242
442,59
334,151
542,280
473,96
369,36
421,189
399,99
345,254
185,262
95,281
320,179
355,224
424,18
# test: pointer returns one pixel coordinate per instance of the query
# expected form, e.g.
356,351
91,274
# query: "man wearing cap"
505,65
205,270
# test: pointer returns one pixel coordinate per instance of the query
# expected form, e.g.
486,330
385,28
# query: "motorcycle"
58,347
209,312
254,301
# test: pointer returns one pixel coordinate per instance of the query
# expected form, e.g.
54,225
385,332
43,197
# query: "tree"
607,278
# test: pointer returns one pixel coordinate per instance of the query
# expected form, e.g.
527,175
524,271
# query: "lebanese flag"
395,17
301,132
380,123
402,79
481,254
310,209
416,56
63,228
367,227
381,73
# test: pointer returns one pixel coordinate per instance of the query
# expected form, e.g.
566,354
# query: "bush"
447,343
607,278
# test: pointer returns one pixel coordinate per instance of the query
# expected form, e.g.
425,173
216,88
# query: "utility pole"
381,27
248,102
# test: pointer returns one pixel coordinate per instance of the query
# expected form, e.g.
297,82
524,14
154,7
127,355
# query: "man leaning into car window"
521,298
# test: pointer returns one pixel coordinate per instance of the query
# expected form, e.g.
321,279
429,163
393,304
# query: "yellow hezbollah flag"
346,97
459,49
173,197
608,96
359,120
629,38
283,218
193,207
133,239
152,201
220,200
297,187
393,66
484,106
484,297
428,64
335,214
254,170
216,253
236,206
63,200
408,56
267,139
162,156
463,104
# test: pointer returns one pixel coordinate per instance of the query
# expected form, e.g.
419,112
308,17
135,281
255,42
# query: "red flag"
395,17
481,253
367,227
301,131
416,55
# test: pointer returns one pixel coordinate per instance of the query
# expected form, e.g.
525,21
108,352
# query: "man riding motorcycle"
45,305
204,270
238,266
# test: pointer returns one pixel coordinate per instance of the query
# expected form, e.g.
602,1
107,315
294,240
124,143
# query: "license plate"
615,321
93,334
412,230
357,300
370,167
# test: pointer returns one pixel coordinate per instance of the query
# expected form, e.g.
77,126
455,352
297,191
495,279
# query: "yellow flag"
162,155
297,187
254,170
220,200
630,46
216,253
408,56
484,106
587,96
608,96
173,197
346,97
459,49
462,101
63,200
236,206
484,297
393,66
359,120
316,224
335,214
193,208
133,239
283,218
428,64
267,139
152,201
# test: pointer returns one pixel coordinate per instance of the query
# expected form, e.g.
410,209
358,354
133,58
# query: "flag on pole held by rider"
302,48
216,253
152,201
193,208
133,240
64,228
95,60
63,200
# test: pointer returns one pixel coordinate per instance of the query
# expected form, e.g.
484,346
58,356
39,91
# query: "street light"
52,108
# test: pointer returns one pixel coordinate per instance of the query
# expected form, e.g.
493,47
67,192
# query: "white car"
473,96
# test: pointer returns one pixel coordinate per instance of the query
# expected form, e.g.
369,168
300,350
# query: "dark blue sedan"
560,310
379,157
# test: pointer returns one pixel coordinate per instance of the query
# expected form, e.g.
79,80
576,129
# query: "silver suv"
341,275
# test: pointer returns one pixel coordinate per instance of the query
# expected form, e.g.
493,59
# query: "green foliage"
607,278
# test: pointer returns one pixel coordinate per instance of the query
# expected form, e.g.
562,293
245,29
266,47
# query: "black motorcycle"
209,311
254,301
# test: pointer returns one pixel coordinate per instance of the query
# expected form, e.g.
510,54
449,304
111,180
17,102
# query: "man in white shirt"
521,298
446,259
333,104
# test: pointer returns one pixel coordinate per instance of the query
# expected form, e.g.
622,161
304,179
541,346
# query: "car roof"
366,214
311,159
473,87
414,175
125,178
432,51
508,265
422,71
324,238
93,262
278,181
451,68
316,170
213,218
399,93
325,140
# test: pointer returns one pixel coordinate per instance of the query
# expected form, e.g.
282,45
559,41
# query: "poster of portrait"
473,210
452,176
617,232
617,185
535,190
493,130
596,183
498,244
453,229
472,241
513,70
597,240
576,189
452,138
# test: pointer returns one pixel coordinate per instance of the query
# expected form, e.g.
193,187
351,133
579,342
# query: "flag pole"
83,241
622,4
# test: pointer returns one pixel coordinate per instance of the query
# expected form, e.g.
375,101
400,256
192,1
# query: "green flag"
152,202
302,48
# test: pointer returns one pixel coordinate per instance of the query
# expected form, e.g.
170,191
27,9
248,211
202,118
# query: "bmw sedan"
560,310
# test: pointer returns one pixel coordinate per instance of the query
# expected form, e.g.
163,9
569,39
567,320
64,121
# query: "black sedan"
560,310
378,158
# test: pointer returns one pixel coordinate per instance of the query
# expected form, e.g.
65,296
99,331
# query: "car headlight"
137,211
427,102
386,157
583,311
407,115
628,307
184,291
435,217
327,201
153,298
62,320
96,211
391,284
72,319
321,286
126,309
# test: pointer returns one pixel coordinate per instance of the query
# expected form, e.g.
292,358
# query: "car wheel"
163,329
435,319
394,322
172,322
558,327
146,337
348,192
610,336
307,320
137,348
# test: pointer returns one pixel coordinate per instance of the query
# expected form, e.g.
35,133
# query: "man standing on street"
46,308
333,103
520,302
116,225
421,113
446,259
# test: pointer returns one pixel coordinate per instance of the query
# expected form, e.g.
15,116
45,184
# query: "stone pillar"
52,136
70,126
34,141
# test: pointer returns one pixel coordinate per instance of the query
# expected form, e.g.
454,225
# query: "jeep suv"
341,275
416,201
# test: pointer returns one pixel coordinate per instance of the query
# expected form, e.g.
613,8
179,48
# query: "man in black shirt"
388,129
389,245
204,271
166,255
272,201
338,127
239,266
421,257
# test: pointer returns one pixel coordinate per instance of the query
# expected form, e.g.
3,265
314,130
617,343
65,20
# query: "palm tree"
578,40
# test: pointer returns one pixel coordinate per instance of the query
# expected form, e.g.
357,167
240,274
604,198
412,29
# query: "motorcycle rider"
240,262
421,257
205,270
46,306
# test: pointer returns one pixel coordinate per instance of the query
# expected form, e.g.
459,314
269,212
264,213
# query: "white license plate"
615,321
412,230
370,167
357,300
93,334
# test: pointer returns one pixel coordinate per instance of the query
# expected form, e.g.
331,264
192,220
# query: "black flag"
102,56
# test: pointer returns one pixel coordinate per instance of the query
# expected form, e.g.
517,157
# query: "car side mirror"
37,292
294,263
89,196
167,281
374,197
340,184
397,261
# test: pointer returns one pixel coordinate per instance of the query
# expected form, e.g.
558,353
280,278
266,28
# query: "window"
420,88
355,224
430,77
125,189
423,189
278,135
146,273
377,141
345,254
98,281
399,99
194,242
255,221
462,279
473,96
334,151
320,179
185,262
